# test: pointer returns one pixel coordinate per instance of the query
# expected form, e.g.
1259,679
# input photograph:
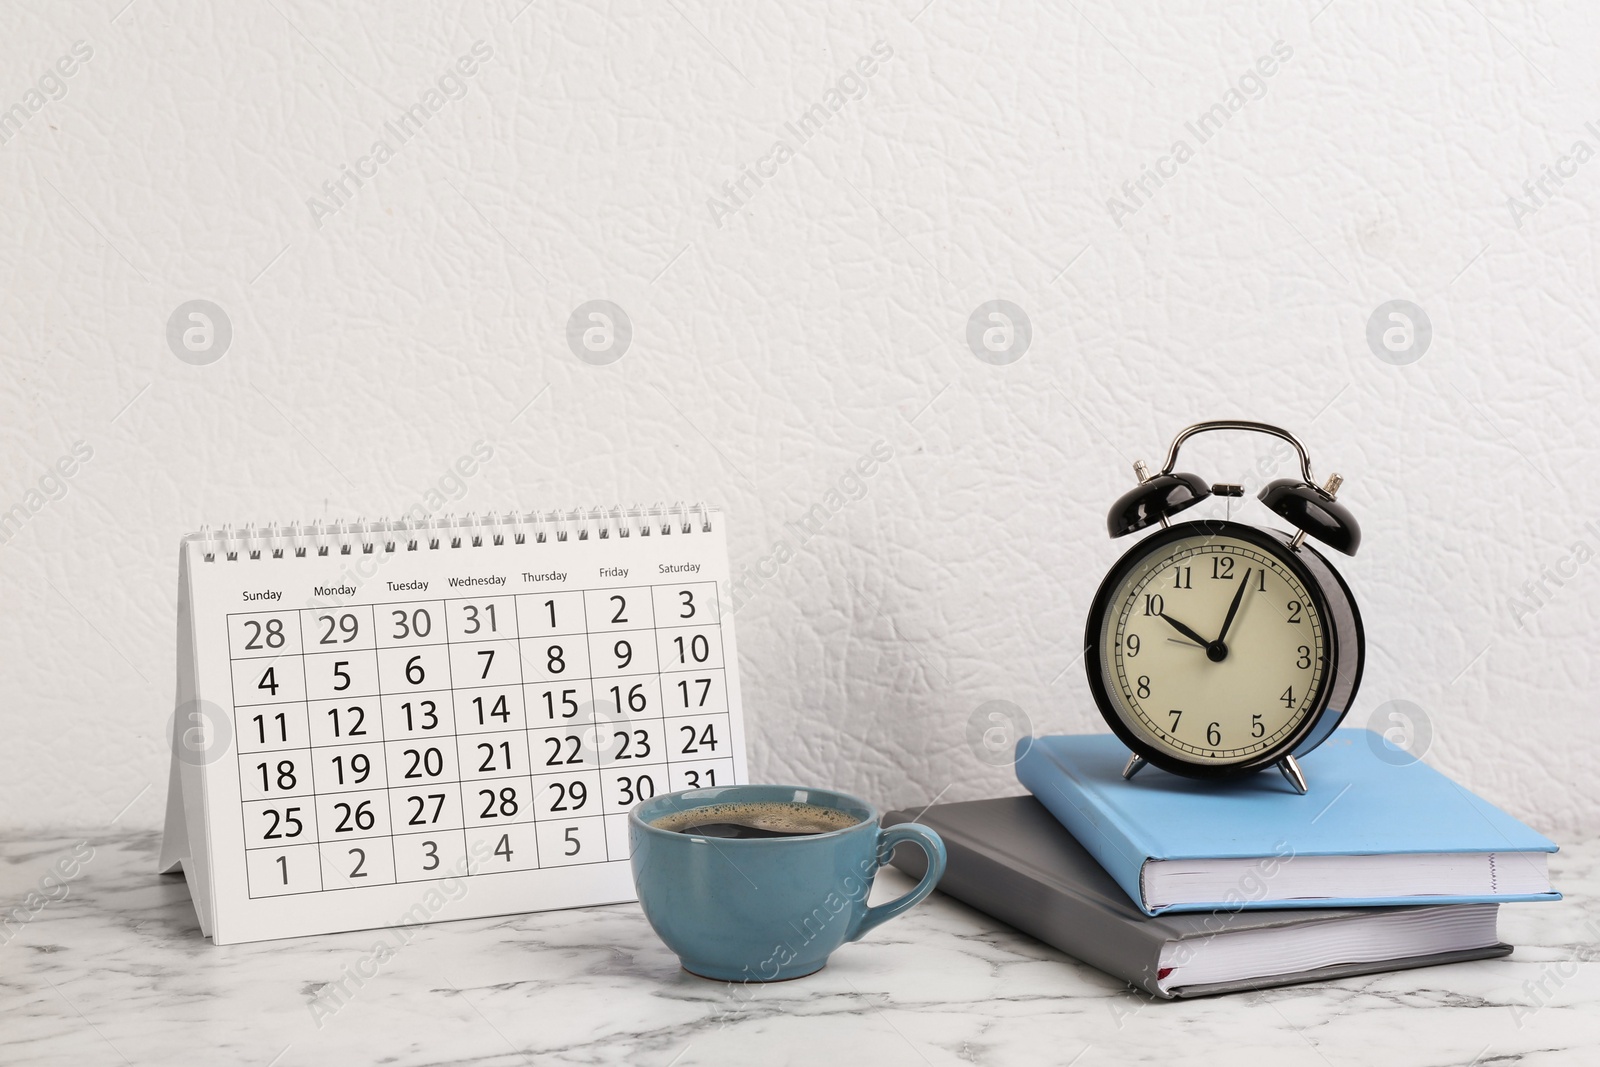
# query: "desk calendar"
382,724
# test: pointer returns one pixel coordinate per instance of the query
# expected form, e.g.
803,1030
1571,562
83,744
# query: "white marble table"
116,972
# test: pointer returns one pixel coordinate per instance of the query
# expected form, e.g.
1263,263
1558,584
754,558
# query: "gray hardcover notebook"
1011,859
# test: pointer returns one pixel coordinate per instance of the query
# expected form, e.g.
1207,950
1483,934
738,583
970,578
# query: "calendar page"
439,724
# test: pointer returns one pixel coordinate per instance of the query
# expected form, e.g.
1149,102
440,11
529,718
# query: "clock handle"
1239,424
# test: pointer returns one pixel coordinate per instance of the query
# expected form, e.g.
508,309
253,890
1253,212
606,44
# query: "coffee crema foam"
780,816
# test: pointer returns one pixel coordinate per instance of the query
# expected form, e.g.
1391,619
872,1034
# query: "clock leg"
1134,766
1291,770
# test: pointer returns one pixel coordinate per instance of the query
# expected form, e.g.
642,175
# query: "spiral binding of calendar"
449,531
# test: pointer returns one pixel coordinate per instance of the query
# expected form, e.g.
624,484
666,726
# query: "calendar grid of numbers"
480,710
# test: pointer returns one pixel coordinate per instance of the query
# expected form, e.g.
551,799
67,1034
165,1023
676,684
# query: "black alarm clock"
1215,648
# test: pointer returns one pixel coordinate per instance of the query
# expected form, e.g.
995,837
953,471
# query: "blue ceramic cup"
767,909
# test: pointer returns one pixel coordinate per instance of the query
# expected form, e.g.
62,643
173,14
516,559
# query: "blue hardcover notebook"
1371,831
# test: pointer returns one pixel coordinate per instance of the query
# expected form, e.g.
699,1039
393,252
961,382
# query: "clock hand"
1185,631
1233,609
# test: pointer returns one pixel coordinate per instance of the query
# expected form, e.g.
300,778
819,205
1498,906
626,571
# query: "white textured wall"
775,341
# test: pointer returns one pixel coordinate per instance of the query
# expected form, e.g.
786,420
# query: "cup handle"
931,844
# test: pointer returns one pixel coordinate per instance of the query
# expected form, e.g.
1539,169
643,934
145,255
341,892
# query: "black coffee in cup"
756,819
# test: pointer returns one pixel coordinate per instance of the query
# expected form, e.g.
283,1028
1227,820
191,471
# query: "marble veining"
102,962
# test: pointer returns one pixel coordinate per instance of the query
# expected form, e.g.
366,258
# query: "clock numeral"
1214,734
1222,567
1261,580
1256,729
1294,611
1176,716
1305,657
1144,685
1153,604
1288,697
1133,645
1181,577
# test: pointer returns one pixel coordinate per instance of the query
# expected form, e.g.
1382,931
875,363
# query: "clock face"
1212,646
